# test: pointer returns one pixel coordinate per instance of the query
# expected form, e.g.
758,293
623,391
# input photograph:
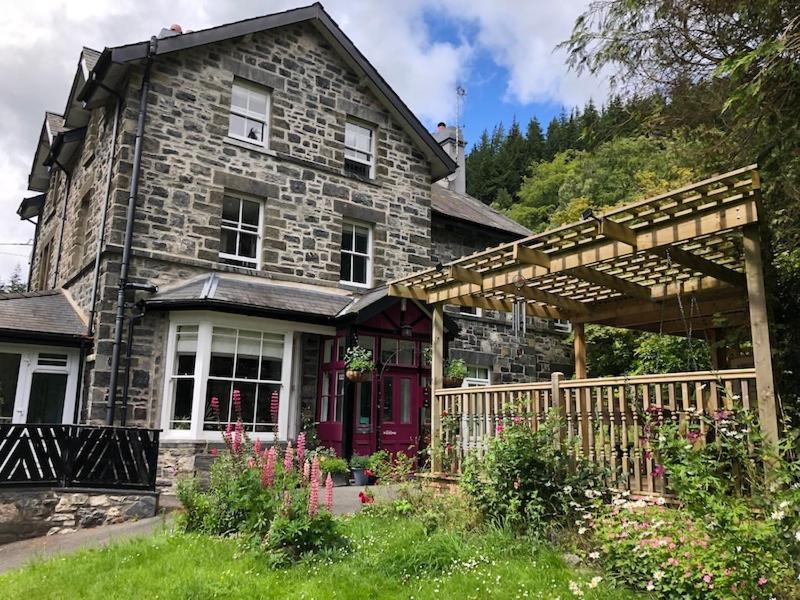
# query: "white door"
37,384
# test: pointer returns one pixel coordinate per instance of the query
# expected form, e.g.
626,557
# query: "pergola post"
437,374
579,333
759,330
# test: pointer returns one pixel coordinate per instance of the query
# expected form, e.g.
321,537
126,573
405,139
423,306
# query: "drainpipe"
132,320
67,184
102,239
79,388
119,323
33,250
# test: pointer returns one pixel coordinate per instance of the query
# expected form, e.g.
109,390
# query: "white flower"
797,535
575,589
661,501
777,515
658,575
567,489
784,504
582,530
650,586
595,581
596,555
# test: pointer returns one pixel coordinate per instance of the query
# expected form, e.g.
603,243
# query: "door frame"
29,355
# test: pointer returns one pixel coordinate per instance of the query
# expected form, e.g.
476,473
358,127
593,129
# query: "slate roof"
41,315
466,208
216,290
90,55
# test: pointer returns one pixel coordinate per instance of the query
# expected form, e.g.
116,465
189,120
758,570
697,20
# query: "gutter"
122,286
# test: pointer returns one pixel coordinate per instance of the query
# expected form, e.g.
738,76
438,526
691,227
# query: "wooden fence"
78,456
602,419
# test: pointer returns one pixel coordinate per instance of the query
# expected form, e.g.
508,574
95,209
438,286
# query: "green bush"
333,465
526,480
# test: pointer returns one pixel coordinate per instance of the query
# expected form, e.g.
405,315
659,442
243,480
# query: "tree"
15,284
534,141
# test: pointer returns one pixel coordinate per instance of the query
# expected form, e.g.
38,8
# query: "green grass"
388,558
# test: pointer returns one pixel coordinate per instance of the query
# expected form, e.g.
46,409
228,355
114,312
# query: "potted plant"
454,372
359,363
380,463
359,464
336,467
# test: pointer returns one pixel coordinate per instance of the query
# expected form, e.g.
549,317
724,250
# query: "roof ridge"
36,294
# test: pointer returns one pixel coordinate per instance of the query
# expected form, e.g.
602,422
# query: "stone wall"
32,513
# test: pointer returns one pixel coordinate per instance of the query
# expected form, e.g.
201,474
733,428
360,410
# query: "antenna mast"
460,93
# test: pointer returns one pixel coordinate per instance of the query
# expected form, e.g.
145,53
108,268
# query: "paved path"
18,554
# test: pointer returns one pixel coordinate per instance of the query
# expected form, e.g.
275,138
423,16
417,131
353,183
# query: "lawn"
389,557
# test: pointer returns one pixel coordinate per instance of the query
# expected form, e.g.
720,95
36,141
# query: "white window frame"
206,321
350,152
28,365
562,325
478,311
369,254
478,381
239,229
251,88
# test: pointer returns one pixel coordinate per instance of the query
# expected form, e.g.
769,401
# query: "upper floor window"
477,376
240,234
44,266
359,155
249,118
562,325
472,311
356,267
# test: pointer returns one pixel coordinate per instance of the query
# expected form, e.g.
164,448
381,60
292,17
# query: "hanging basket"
355,375
452,382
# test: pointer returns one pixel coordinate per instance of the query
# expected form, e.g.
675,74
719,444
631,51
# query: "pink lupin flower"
329,493
306,470
215,407
268,470
237,403
274,405
288,458
658,471
313,494
214,452
257,447
237,437
301,448
227,435
287,502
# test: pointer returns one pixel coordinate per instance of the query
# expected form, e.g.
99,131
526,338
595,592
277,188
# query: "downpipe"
132,321
122,287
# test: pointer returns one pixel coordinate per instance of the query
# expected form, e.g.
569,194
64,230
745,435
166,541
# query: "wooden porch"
687,262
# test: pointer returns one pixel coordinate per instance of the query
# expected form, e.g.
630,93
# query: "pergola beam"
529,293
464,275
617,231
611,282
704,266
531,256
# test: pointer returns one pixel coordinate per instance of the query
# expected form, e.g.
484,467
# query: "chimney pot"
176,28
441,126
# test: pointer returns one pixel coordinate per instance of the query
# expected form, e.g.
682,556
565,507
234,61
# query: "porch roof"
41,316
620,267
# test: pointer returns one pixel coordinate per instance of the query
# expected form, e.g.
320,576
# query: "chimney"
173,30
452,140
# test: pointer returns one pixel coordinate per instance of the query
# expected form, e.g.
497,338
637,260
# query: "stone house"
221,210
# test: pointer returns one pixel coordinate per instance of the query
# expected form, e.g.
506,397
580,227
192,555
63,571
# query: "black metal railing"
78,456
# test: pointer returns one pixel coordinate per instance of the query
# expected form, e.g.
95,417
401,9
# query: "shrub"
526,480
357,461
333,465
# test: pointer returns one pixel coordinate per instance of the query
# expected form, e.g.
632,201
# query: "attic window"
359,151
249,117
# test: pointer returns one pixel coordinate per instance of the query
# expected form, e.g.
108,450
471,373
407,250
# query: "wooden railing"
602,419
78,456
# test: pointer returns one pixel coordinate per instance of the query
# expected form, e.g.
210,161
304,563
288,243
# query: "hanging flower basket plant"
454,372
359,363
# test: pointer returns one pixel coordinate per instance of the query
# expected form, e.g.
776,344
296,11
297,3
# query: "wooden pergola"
691,256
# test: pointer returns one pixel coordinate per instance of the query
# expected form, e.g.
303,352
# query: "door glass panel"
325,397
46,402
365,403
405,400
388,399
406,354
327,351
339,397
9,374
388,351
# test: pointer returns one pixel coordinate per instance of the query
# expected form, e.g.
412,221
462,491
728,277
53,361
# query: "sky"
502,52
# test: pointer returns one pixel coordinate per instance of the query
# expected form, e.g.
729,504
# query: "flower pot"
339,479
355,375
452,382
360,477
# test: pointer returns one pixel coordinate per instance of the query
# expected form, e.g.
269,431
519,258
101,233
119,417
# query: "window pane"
239,97
368,342
255,130
359,269
264,417
271,369
248,245
345,273
388,350
388,399
327,351
339,397
250,212
405,400
230,209
258,103
183,393
324,397
222,391
347,237
406,355
46,402
237,125
341,347
9,374
184,364
247,393
362,240
227,242
365,403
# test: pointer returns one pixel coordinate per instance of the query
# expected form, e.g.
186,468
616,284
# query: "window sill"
231,141
209,437
355,287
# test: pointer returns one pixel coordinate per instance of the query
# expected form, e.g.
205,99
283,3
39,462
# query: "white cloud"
40,41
